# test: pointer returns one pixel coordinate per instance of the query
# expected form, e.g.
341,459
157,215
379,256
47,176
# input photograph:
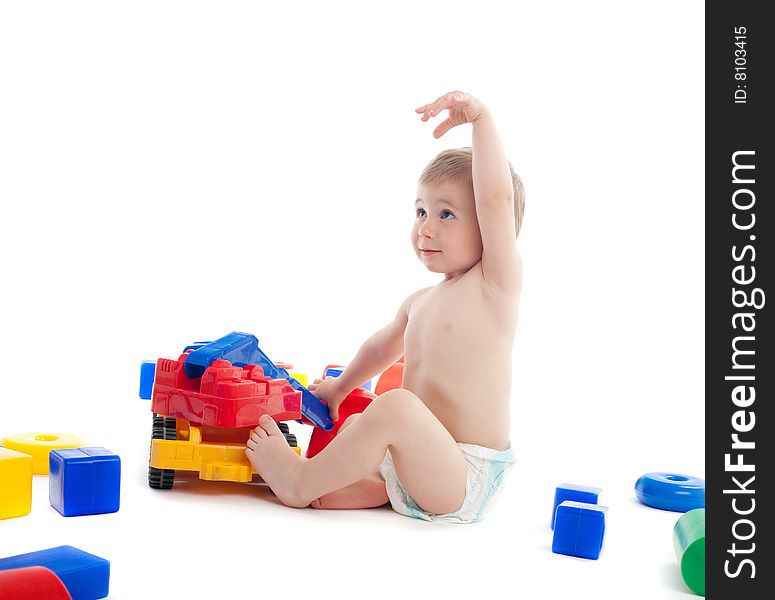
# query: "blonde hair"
457,164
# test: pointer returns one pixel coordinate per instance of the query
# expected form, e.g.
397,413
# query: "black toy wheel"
163,429
290,437
161,479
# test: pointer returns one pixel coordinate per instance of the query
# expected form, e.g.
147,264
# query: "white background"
173,171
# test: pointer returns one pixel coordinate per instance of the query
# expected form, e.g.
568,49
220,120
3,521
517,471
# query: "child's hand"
329,391
462,107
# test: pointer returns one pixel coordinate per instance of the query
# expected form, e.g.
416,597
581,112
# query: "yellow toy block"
300,377
15,483
38,445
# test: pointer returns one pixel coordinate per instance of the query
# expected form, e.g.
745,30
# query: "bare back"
458,357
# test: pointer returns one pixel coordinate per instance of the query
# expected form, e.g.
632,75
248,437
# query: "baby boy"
438,447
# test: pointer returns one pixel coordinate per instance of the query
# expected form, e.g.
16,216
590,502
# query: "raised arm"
493,187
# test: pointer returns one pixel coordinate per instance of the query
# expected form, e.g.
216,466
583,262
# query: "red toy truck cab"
202,424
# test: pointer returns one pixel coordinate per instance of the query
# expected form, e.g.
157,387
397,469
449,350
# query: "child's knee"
349,421
397,404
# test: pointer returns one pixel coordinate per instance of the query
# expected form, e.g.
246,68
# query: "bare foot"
273,459
366,493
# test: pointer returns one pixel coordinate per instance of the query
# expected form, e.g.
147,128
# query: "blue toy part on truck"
242,349
147,374
337,371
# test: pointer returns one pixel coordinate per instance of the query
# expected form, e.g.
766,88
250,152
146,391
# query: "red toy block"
32,583
391,379
224,396
355,402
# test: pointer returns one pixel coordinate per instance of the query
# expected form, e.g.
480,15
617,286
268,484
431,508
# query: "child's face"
446,236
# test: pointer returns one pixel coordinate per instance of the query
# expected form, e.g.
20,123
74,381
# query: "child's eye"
421,213
447,215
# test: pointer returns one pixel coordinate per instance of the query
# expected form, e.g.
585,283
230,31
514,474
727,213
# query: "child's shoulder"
416,296
406,306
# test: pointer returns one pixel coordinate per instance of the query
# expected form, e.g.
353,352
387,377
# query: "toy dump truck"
206,403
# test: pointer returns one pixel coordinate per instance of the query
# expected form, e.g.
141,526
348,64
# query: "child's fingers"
333,410
434,109
443,128
445,101
431,112
451,99
431,109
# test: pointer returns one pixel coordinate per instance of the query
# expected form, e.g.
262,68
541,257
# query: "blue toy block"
242,349
577,493
84,481
147,374
337,371
579,529
238,348
85,576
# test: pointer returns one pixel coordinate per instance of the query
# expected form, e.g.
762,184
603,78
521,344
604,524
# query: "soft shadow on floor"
670,575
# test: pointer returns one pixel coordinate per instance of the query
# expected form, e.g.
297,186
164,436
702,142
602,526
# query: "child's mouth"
429,252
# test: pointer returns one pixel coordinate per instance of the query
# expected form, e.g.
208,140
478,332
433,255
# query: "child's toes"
269,425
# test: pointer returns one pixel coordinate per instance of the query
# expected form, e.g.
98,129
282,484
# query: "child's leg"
369,492
427,460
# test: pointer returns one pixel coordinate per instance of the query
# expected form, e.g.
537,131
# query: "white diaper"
486,472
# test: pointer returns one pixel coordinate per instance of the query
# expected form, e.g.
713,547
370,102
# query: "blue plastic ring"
671,491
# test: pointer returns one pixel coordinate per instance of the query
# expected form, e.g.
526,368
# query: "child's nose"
425,230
